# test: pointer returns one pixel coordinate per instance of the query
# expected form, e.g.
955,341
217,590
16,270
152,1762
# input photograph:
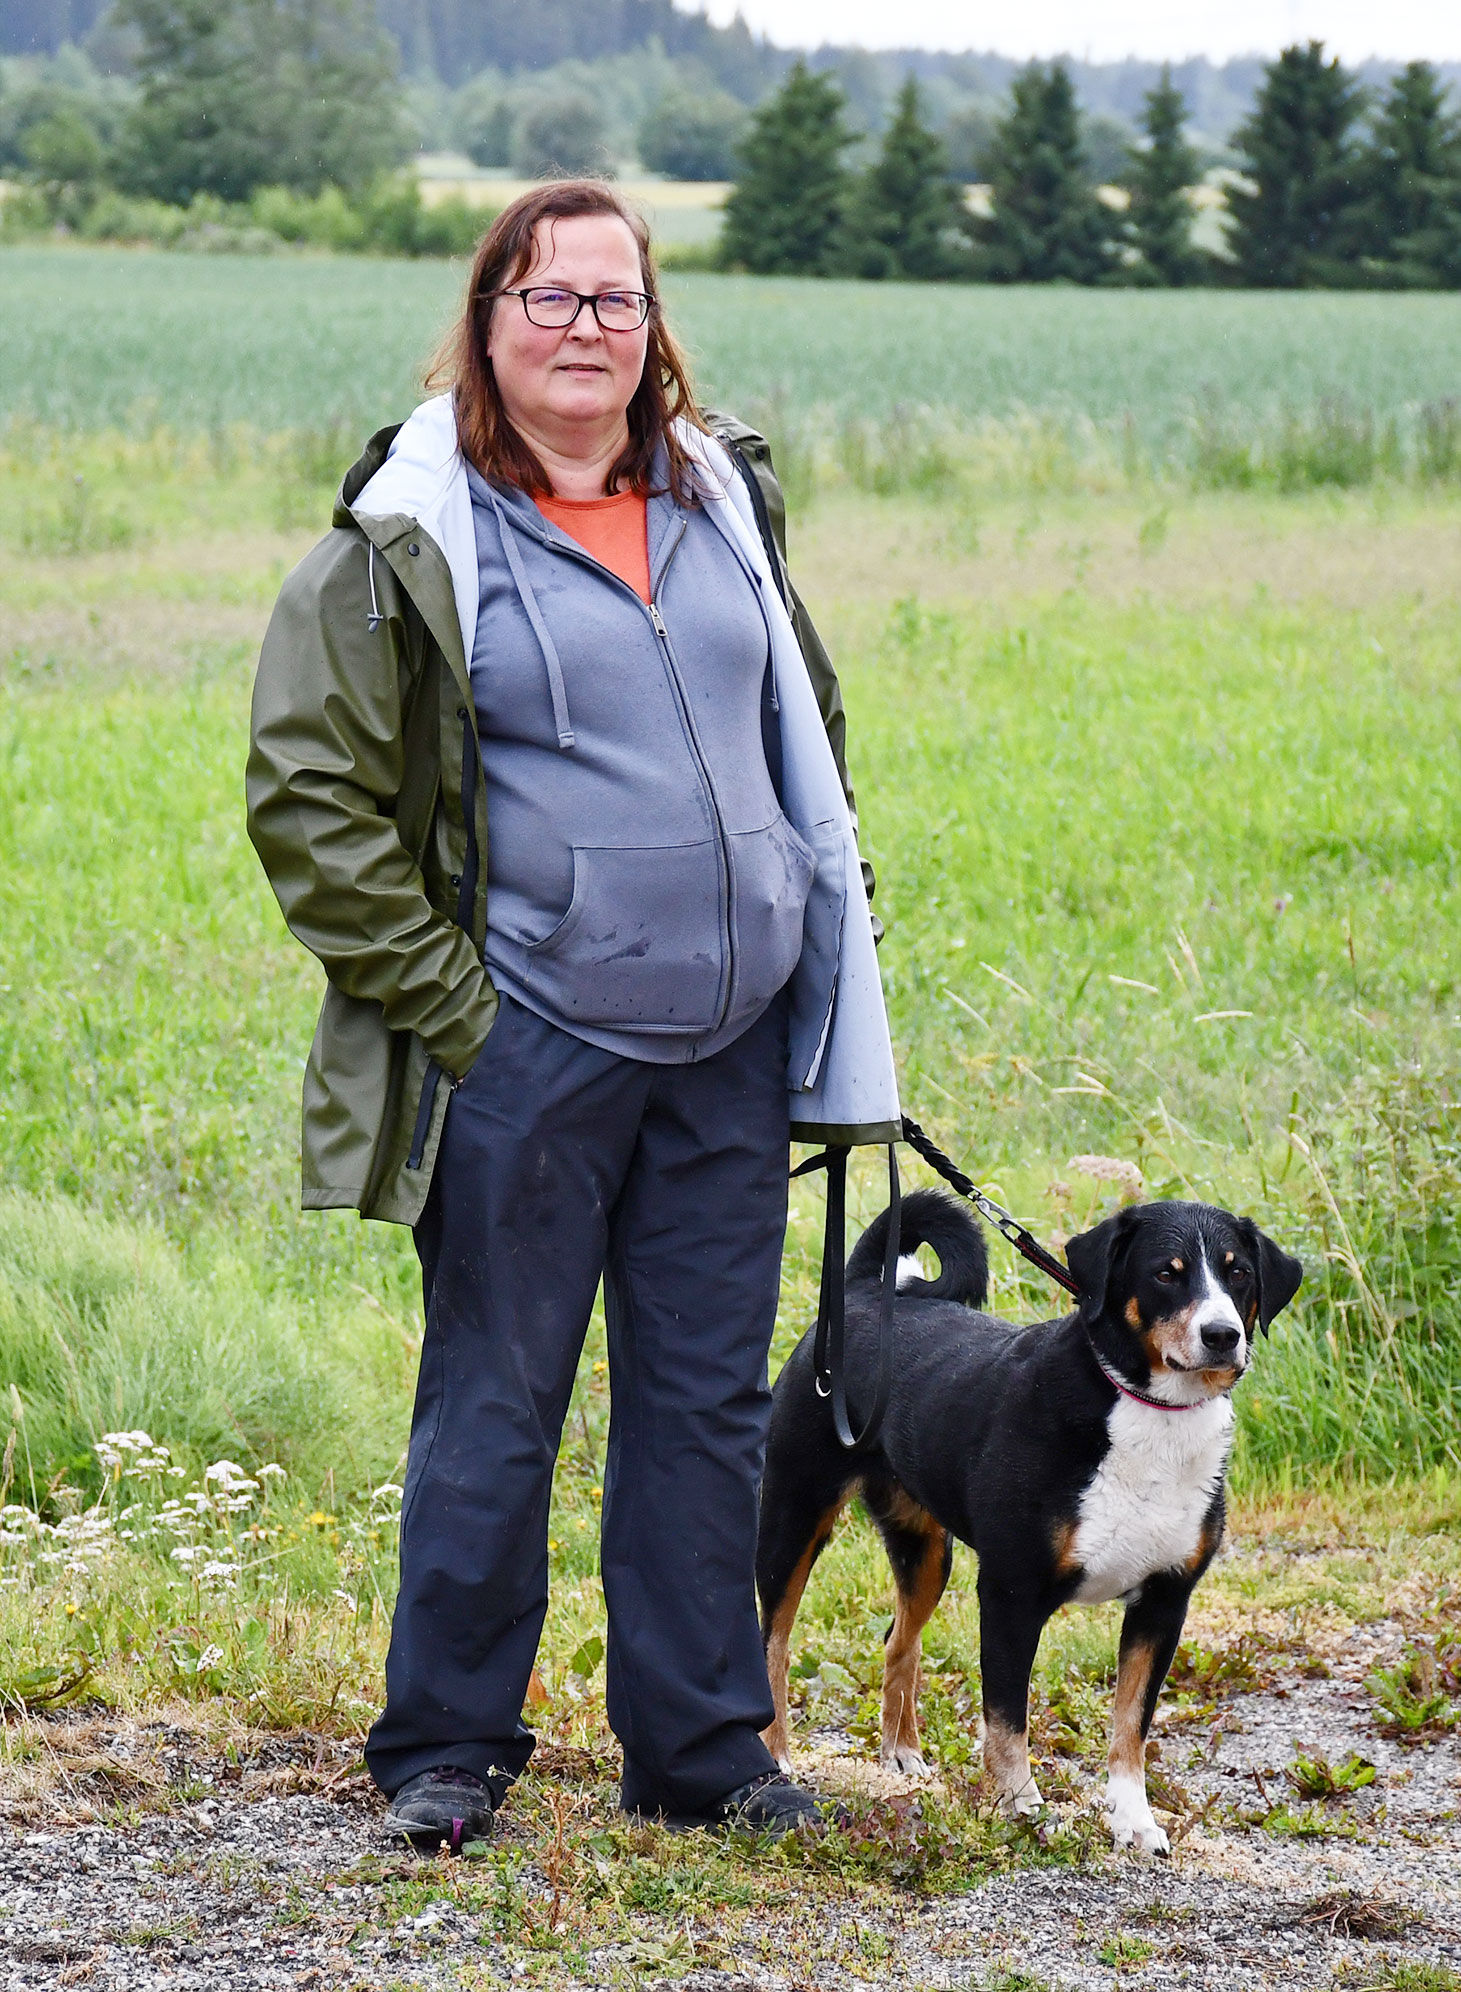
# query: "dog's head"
1178,1291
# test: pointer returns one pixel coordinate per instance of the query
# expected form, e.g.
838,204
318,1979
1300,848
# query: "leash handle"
1008,1226
829,1344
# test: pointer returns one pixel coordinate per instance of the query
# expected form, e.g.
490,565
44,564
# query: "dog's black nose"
1219,1338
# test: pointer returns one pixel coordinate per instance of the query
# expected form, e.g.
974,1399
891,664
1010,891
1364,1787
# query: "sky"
1353,29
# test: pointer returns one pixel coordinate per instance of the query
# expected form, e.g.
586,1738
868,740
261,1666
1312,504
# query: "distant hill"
454,39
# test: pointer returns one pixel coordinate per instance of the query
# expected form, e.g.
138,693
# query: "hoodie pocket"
771,876
642,945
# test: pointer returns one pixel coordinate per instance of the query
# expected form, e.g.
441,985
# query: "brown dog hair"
664,394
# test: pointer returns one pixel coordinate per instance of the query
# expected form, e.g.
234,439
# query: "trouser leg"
691,1286
535,1147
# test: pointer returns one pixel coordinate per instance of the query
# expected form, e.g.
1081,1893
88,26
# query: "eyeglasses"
616,310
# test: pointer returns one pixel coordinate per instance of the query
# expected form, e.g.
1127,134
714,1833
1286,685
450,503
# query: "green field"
1160,785
102,336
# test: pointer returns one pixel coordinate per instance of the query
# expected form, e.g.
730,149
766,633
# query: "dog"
1082,1460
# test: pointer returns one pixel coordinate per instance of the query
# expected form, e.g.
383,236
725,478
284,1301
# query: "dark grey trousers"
560,1163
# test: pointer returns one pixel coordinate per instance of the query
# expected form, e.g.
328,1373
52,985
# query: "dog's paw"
1026,1803
1131,1821
905,1758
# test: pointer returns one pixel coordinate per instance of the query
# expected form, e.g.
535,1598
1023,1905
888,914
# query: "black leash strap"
1008,1227
829,1354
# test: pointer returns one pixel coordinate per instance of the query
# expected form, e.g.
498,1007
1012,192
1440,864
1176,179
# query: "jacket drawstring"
556,687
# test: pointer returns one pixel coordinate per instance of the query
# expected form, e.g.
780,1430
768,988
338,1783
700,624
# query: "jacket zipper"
466,907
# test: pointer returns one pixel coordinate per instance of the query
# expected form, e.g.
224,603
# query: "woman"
540,775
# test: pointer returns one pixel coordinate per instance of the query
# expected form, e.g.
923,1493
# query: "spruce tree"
1047,223
907,218
1294,226
786,212
1159,177
1408,220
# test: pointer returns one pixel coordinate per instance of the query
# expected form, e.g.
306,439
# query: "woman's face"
568,383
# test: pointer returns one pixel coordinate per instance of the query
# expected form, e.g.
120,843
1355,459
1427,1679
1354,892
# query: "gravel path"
273,1871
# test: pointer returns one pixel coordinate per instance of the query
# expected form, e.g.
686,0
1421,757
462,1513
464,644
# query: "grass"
204,341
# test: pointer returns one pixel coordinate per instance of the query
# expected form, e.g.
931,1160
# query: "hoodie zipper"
682,703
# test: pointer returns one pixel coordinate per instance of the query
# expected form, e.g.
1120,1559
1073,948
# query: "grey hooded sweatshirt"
645,890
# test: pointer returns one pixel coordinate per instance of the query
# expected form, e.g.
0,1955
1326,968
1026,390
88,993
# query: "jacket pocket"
642,945
771,876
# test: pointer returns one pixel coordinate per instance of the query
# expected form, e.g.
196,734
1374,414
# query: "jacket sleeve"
752,451
325,771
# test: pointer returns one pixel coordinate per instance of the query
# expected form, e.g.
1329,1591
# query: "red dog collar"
1139,1396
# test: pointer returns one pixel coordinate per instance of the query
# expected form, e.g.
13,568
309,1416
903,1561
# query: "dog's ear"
1279,1276
1095,1254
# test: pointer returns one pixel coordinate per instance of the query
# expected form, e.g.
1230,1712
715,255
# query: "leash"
1024,1242
829,1343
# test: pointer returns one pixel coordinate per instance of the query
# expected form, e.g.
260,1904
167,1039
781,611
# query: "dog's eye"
1237,1274
1165,1275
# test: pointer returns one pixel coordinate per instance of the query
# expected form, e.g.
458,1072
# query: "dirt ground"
138,1854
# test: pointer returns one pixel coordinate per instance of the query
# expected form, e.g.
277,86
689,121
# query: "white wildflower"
1109,1169
209,1657
187,1553
273,1471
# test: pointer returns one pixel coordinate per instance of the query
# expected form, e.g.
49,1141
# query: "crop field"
93,336
1158,772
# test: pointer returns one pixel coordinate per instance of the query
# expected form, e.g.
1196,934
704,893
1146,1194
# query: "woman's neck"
579,472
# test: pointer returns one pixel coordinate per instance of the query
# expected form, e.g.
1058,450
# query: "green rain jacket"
362,756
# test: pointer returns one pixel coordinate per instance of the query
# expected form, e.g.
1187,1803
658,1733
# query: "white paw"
1025,1803
903,1757
1130,1818
783,1762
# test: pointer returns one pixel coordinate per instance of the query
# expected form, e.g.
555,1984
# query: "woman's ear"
1094,1254
1279,1276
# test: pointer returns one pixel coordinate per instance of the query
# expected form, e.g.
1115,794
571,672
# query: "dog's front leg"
1009,1632
1149,1635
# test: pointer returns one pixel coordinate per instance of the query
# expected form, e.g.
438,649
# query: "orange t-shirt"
614,530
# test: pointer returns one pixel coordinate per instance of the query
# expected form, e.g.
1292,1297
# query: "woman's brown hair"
664,394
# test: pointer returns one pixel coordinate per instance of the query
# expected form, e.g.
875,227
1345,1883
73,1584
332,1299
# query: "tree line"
1335,187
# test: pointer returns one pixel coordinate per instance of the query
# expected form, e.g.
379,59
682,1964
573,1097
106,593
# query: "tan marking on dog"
1165,1336
1127,1755
778,1640
902,1655
1007,1765
1133,1314
1062,1542
1207,1543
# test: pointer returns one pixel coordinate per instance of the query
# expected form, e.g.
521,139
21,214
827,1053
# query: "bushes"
389,219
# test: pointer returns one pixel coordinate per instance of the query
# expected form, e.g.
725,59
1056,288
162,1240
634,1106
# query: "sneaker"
443,1806
769,1804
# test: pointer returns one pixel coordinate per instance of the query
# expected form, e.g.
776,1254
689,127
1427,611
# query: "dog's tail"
929,1218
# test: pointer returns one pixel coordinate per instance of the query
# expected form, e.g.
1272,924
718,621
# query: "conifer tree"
1295,225
907,217
1161,172
787,209
1408,219
1047,222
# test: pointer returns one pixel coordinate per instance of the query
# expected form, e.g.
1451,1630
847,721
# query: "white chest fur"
1144,1509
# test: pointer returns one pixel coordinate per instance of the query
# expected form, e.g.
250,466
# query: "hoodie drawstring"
556,687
